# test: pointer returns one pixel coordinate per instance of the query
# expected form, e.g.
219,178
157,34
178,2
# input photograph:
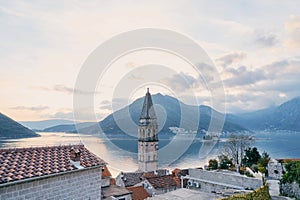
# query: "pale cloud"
64,89
181,82
265,86
292,27
30,108
243,76
266,39
230,58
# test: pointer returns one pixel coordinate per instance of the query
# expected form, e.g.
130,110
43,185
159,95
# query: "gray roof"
133,178
148,111
114,191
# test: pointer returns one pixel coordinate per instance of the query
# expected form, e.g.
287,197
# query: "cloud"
63,115
292,27
181,82
105,104
231,58
266,39
65,89
82,116
33,108
262,87
243,76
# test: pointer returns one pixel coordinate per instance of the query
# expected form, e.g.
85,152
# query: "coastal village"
74,172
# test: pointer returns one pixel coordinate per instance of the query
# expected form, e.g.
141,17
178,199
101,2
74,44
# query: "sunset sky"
255,46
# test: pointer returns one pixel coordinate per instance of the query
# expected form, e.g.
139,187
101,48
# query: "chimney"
75,154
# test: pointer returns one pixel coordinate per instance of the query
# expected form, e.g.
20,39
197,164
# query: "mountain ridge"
172,111
282,117
10,129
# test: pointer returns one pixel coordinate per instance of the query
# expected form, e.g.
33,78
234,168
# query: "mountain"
172,111
283,117
40,125
67,127
10,129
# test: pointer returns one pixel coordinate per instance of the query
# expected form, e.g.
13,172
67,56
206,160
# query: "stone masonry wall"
290,189
82,184
220,178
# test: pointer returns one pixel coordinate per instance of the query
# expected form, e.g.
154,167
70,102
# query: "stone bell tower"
148,139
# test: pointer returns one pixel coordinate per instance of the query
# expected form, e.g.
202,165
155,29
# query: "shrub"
213,164
247,173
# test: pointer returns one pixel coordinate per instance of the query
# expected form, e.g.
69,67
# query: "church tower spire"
148,139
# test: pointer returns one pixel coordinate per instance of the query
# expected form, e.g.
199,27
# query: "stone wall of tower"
147,148
148,156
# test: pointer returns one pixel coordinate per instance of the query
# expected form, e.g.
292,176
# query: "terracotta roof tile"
162,181
133,178
21,163
138,193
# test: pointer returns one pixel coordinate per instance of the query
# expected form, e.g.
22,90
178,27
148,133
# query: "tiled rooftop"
22,163
138,193
133,178
163,181
114,191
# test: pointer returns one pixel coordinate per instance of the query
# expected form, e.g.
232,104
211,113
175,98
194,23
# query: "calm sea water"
121,153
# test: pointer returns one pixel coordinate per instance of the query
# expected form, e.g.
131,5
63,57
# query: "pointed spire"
148,109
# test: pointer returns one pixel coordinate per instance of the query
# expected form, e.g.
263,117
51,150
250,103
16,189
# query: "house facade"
56,172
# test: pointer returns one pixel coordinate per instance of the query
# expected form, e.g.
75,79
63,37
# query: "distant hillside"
40,125
68,128
283,117
172,108
10,129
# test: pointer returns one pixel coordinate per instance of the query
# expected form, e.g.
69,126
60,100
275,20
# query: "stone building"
56,172
116,192
147,136
213,181
161,184
127,179
112,191
275,169
155,182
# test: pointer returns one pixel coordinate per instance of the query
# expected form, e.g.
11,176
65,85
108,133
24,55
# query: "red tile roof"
149,175
163,181
22,163
138,193
133,178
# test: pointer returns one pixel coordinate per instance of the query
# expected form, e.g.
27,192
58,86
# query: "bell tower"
148,139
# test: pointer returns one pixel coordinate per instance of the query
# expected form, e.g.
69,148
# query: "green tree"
251,157
213,164
263,163
292,173
225,162
264,159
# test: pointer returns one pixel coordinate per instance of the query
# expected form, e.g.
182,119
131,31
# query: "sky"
255,46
